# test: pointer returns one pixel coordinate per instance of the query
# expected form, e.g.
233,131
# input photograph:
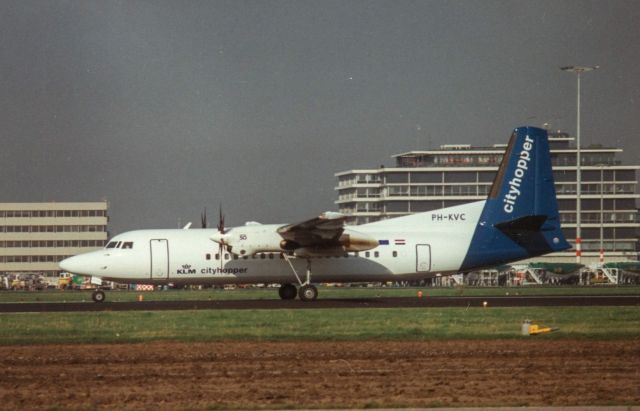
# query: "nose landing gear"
98,296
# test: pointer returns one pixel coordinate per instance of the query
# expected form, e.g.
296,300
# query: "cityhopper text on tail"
519,219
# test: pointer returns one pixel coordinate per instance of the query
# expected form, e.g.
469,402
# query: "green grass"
309,324
325,292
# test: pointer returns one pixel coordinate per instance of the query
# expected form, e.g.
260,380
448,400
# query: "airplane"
518,220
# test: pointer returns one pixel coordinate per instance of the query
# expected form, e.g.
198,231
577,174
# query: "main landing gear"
98,296
306,292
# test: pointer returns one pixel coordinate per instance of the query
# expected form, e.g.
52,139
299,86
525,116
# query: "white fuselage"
411,247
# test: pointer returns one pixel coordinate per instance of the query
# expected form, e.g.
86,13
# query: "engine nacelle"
250,239
349,241
253,239
355,241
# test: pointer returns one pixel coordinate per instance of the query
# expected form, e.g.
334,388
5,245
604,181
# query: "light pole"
578,70
601,213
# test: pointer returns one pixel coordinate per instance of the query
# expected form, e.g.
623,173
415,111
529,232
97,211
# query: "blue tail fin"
520,218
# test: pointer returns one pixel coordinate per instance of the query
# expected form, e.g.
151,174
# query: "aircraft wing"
325,229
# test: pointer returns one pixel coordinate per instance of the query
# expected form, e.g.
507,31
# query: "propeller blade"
221,251
221,221
222,245
203,218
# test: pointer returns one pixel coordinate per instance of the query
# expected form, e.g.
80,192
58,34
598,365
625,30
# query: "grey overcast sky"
165,107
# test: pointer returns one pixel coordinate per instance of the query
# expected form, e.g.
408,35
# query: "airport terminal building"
34,237
457,174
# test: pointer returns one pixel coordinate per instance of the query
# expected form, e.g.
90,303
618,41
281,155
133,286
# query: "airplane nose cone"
79,264
71,264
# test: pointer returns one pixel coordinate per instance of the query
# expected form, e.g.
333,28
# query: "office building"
34,237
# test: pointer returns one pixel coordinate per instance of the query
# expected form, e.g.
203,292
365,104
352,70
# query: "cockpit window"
120,244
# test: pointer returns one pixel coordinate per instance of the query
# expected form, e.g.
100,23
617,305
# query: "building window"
426,177
460,177
396,178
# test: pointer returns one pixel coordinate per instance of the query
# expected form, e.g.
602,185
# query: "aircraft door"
159,259
423,258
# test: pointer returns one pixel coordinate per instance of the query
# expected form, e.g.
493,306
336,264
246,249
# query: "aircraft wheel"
308,292
98,296
287,291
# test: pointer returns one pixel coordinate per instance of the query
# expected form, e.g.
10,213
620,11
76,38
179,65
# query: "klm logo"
186,269
511,197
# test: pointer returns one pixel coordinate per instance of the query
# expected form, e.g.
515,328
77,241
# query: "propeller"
219,238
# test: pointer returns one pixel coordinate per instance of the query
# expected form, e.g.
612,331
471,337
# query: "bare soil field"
166,375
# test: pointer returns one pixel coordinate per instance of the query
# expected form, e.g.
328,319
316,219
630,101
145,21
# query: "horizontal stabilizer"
527,232
522,224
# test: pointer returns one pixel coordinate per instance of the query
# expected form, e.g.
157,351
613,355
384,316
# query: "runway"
329,303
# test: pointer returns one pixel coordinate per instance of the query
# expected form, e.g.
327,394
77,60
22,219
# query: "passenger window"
208,256
217,256
226,256
395,253
270,256
376,254
367,254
